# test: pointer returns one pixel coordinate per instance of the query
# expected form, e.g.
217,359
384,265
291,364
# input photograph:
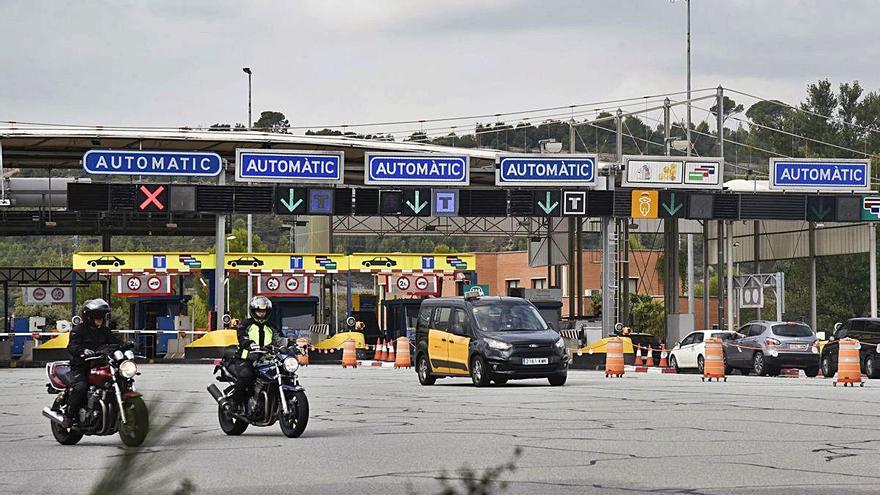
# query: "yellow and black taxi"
487,338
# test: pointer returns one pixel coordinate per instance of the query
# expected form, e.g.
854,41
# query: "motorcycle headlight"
497,344
291,365
560,343
128,369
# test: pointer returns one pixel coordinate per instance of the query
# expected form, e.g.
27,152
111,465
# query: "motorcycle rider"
254,334
85,341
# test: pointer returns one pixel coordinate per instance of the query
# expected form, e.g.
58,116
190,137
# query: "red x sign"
152,198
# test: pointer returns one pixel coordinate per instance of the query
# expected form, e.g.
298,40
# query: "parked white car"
691,351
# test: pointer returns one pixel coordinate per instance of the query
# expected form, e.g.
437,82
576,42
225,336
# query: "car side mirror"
820,335
837,326
676,344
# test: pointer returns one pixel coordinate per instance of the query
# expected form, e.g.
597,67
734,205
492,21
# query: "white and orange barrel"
713,363
614,357
848,363
349,355
403,354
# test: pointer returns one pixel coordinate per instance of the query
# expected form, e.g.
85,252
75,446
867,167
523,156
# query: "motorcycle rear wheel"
294,424
64,436
229,424
134,431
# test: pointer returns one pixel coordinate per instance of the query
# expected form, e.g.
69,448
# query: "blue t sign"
427,262
296,262
159,262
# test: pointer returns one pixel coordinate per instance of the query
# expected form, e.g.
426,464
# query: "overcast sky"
173,62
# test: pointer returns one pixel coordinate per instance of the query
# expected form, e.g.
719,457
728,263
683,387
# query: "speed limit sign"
133,284
292,284
403,283
273,284
154,283
421,283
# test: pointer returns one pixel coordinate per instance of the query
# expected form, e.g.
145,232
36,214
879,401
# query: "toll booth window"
441,319
425,318
508,317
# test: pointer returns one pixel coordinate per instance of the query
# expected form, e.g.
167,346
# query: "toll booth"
294,315
548,302
156,313
401,316
364,310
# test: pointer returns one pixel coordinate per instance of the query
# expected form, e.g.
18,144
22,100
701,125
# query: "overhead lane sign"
289,166
417,169
546,170
663,172
165,163
806,174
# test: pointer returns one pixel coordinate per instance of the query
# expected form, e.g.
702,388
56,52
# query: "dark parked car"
766,347
106,261
867,332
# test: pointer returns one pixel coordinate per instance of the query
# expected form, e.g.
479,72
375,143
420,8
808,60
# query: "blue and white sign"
546,170
289,166
160,262
417,169
809,174
166,163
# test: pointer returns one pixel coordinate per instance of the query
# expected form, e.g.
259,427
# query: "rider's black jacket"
84,337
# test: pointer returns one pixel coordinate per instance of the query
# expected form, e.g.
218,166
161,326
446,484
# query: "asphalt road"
379,431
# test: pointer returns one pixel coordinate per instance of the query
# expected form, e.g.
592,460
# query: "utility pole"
250,217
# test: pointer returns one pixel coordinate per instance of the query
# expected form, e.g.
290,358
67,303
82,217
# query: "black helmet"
95,308
261,303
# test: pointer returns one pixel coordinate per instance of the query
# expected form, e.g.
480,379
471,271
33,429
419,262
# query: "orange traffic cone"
376,354
614,357
649,361
663,362
391,351
848,363
380,355
638,361
713,365
403,360
349,355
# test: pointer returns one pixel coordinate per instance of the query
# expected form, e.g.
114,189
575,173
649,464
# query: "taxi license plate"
535,360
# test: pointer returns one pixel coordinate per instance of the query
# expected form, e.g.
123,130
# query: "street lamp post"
250,217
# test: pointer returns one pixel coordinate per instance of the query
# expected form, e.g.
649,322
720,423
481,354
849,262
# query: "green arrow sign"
672,207
821,210
546,206
293,203
418,207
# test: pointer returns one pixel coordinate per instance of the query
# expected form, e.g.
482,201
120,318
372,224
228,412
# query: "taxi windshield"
507,316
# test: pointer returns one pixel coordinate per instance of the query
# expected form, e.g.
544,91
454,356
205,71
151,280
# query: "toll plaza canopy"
60,147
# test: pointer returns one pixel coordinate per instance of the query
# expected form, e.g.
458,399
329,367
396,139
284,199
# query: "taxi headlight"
497,344
128,369
560,343
291,365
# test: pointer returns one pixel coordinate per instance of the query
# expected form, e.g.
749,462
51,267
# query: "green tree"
272,121
647,314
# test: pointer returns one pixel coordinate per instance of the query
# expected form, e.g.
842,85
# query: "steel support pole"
690,275
719,271
6,307
872,264
609,251
572,264
812,255
624,288
579,253
756,227
706,298
250,217
688,2
730,319
219,250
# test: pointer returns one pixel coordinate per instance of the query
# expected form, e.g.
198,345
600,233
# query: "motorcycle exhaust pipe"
53,415
217,395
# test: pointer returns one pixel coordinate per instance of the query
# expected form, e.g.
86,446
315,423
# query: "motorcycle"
112,403
276,394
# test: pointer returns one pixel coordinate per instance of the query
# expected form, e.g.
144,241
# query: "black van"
867,332
487,338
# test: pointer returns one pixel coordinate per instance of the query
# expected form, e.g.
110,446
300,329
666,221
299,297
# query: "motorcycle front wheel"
294,424
64,436
229,423
135,429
